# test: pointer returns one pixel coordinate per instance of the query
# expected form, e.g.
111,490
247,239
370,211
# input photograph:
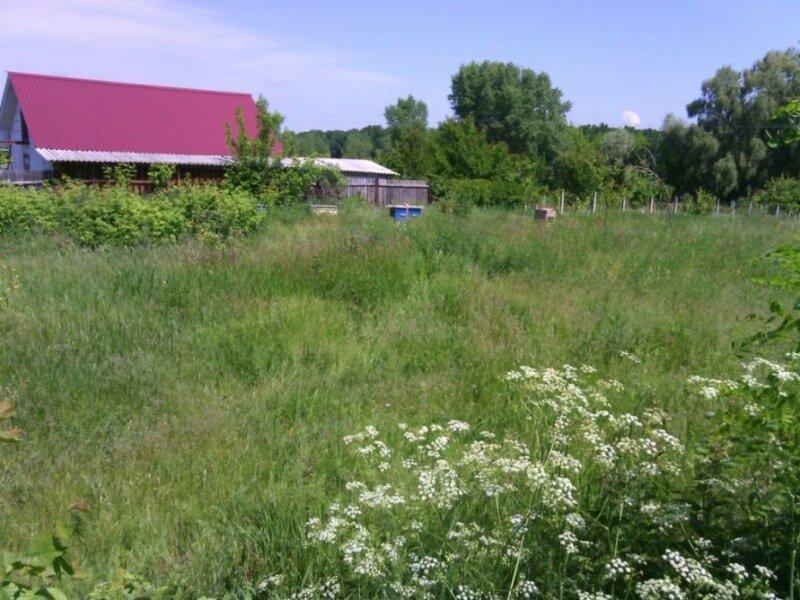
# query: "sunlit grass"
196,396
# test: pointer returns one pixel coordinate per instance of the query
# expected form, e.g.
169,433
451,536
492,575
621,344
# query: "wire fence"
596,204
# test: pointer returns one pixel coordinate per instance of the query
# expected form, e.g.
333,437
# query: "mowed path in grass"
196,396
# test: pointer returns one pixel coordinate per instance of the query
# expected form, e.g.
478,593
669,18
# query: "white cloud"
176,43
631,118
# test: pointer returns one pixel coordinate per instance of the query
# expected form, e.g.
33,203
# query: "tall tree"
687,155
358,145
580,167
406,113
411,145
513,105
735,107
311,143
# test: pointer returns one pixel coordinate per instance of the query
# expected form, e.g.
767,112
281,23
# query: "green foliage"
687,155
262,147
594,502
639,186
119,174
256,161
734,110
483,192
310,143
407,113
461,150
161,174
513,105
258,173
580,168
618,146
358,145
450,202
198,369
126,586
785,125
292,185
749,468
317,143
700,203
411,143
94,216
783,323
37,573
411,153
781,191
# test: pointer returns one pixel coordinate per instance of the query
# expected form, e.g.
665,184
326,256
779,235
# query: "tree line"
509,140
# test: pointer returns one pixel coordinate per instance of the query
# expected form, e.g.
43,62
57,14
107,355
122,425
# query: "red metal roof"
80,114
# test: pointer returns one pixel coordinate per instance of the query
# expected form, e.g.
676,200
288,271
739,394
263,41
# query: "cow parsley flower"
617,567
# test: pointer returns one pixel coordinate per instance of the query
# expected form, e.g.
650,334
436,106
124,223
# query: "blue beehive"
403,213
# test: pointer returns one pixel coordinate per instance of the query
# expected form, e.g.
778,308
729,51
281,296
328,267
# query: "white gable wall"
11,129
19,150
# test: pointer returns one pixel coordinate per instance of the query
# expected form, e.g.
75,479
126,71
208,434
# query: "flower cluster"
576,503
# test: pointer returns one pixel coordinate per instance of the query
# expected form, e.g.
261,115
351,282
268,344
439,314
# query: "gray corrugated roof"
346,165
132,157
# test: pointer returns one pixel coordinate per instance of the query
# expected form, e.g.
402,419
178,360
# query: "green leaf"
55,594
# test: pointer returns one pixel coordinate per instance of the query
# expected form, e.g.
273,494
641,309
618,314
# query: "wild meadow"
473,407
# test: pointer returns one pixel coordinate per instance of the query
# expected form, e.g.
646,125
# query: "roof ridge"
128,84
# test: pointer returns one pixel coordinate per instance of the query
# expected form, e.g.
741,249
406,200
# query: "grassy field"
196,396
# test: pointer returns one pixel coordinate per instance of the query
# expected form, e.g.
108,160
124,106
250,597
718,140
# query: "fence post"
562,202
594,203
733,208
651,204
750,210
717,205
676,206
624,204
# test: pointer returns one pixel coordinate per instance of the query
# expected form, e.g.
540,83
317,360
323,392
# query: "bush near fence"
484,192
94,216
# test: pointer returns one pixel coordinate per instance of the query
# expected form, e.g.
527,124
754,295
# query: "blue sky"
327,64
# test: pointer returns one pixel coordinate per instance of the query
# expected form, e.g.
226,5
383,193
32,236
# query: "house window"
25,139
26,162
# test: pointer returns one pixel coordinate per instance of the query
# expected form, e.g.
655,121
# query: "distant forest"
509,137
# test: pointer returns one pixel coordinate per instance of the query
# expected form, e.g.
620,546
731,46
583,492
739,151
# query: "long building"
51,126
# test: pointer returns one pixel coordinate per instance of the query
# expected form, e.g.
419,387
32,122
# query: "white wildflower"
617,567
659,589
568,541
526,589
457,426
631,357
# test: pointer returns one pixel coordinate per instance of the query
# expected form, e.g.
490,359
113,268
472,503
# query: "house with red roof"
66,126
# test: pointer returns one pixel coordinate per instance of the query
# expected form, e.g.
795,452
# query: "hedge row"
95,216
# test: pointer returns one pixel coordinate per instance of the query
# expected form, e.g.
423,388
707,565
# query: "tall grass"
196,396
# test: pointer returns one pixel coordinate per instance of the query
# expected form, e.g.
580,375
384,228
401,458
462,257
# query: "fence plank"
384,192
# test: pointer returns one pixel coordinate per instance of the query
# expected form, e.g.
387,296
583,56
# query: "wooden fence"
25,177
383,192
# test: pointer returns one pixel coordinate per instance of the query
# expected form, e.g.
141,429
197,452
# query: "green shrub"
276,185
702,203
210,210
482,192
120,174
94,216
782,191
454,204
161,175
